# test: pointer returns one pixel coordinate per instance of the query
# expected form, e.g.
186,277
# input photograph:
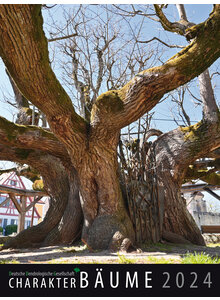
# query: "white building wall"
198,210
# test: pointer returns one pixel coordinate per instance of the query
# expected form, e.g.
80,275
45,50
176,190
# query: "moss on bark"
204,174
195,132
23,153
13,131
38,185
109,102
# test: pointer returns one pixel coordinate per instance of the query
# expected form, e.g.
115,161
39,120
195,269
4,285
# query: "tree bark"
101,199
171,171
62,185
177,219
69,227
175,151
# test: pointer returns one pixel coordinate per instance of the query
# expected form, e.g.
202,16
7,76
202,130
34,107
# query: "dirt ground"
159,253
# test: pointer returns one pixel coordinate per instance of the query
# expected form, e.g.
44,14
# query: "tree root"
119,243
174,238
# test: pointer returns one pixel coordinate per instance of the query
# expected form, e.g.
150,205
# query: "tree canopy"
82,148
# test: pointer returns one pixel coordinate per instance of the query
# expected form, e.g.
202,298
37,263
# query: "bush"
9,229
1,229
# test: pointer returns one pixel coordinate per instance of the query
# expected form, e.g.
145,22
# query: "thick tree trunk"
63,220
172,160
70,226
106,221
93,155
177,219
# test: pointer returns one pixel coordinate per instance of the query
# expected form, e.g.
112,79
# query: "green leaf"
76,270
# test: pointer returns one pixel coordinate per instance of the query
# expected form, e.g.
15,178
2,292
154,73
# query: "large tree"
82,152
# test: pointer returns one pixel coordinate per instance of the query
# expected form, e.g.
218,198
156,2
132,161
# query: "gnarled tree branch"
30,137
144,91
177,27
24,50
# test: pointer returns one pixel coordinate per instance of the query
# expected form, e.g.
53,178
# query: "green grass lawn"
199,258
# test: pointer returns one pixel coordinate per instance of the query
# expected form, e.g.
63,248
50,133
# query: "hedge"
9,229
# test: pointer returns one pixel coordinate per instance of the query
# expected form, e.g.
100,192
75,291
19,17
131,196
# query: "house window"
13,182
6,204
28,224
5,222
12,221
